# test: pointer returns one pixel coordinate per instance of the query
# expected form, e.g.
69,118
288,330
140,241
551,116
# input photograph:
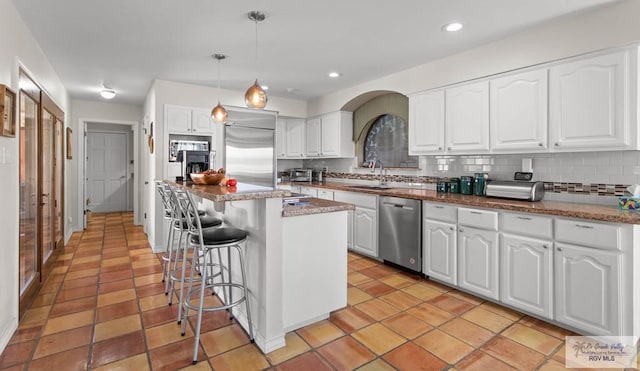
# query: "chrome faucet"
372,165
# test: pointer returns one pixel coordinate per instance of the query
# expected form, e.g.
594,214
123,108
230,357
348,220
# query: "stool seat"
220,236
207,221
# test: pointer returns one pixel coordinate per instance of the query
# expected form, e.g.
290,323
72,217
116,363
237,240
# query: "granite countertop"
315,206
557,208
242,191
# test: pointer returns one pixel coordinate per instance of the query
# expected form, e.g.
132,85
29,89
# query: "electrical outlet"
145,215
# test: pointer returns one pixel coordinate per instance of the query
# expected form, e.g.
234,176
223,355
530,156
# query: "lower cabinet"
526,267
365,231
324,194
588,289
440,251
478,261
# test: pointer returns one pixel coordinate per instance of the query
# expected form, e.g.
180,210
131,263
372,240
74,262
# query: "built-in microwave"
176,146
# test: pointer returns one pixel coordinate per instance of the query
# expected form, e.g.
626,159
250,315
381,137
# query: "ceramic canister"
442,186
455,185
466,185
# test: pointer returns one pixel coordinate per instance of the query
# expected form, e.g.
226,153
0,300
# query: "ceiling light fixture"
255,96
219,114
452,27
334,74
107,93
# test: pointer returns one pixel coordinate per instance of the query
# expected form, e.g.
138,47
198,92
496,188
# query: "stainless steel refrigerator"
249,138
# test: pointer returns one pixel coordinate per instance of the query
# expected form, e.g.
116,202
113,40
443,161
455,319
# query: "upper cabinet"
330,135
467,118
187,120
585,104
426,123
281,138
593,103
295,138
519,112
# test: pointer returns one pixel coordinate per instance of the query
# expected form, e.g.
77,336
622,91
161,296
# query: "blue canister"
480,183
466,185
442,186
454,187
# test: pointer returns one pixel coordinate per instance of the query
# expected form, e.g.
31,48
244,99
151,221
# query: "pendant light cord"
257,63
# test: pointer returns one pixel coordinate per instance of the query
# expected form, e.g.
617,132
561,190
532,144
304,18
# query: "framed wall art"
7,112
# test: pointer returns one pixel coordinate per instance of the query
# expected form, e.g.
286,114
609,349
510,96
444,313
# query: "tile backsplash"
588,177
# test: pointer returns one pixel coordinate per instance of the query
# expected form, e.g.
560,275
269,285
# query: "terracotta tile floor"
104,308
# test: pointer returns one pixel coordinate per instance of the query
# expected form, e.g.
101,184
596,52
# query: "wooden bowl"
206,179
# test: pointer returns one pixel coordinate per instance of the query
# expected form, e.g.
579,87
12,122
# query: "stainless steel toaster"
519,190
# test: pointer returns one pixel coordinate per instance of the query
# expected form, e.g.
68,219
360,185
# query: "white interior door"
107,189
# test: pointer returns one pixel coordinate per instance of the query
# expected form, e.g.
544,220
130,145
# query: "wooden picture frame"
7,112
69,144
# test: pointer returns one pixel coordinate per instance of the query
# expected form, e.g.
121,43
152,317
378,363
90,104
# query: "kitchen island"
289,255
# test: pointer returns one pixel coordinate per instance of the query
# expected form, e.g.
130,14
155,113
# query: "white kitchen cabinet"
467,118
588,289
188,120
365,231
518,112
439,240
426,123
281,138
309,191
478,261
295,138
593,103
330,135
526,280
364,228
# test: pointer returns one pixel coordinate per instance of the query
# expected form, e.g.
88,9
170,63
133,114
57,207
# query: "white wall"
18,48
82,110
604,27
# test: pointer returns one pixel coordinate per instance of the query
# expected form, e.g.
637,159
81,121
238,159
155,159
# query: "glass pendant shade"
219,114
255,96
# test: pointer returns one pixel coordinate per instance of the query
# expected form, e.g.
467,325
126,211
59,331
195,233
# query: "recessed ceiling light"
452,27
334,74
264,87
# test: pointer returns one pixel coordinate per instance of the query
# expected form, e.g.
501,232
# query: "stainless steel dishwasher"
400,232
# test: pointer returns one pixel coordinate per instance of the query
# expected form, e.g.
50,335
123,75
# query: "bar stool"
171,215
185,225
205,242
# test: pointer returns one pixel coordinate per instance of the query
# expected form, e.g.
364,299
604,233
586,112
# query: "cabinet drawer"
578,232
309,191
440,211
482,219
323,193
358,199
528,225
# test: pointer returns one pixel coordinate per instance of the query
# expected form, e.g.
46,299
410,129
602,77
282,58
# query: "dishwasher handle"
397,205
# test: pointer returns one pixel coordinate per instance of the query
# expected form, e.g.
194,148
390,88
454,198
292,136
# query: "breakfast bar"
285,291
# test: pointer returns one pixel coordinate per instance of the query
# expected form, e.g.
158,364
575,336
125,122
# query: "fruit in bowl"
208,177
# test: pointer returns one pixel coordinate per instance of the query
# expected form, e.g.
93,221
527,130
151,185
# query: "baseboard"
7,332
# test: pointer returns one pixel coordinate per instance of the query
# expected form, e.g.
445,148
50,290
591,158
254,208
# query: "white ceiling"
128,43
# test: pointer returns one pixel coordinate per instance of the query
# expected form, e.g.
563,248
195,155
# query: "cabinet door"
426,123
201,122
590,103
365,232
478,261
178,119
313,137
588,289
525,274
295,138
281,138
309,191
467,118
519,112
440,251
330,135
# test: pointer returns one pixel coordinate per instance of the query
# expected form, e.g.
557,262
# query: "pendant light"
219,114
255,96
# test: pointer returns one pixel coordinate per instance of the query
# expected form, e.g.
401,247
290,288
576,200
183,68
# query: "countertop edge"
602,213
